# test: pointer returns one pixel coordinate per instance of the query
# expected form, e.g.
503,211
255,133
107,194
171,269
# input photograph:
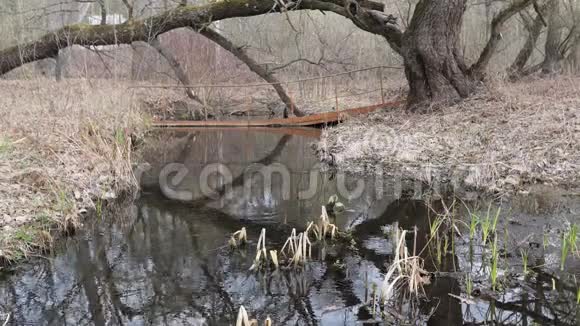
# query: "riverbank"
503,140
65,149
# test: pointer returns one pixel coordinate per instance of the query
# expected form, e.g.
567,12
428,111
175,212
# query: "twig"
7,320
263,84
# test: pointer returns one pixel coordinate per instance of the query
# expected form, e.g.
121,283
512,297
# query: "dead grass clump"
244,320
63,146
406,275
501,139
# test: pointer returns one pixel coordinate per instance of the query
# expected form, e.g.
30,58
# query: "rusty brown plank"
310,120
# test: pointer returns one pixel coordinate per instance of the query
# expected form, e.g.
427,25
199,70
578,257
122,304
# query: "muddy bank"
504,140
65,149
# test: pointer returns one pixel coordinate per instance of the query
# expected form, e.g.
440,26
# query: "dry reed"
68,147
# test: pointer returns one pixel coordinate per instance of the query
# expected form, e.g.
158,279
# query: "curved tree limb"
534,29
375,22
258,69
196,17
539,10
238,53
177,69
478,68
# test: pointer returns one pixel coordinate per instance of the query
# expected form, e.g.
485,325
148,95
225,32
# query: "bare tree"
434,64
534,28
553,56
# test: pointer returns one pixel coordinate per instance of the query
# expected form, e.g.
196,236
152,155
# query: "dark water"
165,259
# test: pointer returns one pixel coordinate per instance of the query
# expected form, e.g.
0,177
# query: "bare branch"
196,17
289,63
129,7
239,53
478,68
176,67
539,12
534,30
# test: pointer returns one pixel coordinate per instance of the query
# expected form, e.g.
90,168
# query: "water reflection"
169,264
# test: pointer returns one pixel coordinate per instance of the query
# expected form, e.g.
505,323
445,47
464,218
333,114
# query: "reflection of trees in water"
170,266
166,269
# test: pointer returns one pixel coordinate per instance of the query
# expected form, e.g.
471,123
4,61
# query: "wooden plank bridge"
317,119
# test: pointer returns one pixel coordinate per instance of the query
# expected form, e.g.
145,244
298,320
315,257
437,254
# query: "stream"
164,259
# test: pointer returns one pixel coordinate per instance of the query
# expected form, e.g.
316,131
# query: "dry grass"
405,269
507,136
65,147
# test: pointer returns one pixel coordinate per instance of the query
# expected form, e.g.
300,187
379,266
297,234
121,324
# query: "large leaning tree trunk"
434,64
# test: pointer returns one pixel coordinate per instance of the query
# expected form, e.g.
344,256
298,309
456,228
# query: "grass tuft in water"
261,253
238,238
274,257
244,320
404,270
489,224
473,226
568,244
290,244
303,250
469,285
99,207
577,291
494,262
524,254
326,226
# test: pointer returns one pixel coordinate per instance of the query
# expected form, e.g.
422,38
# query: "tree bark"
434,64
258,69
553,56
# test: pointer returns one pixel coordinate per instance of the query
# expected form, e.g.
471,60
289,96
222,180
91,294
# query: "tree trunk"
553,56
58,63
517,67
434,64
